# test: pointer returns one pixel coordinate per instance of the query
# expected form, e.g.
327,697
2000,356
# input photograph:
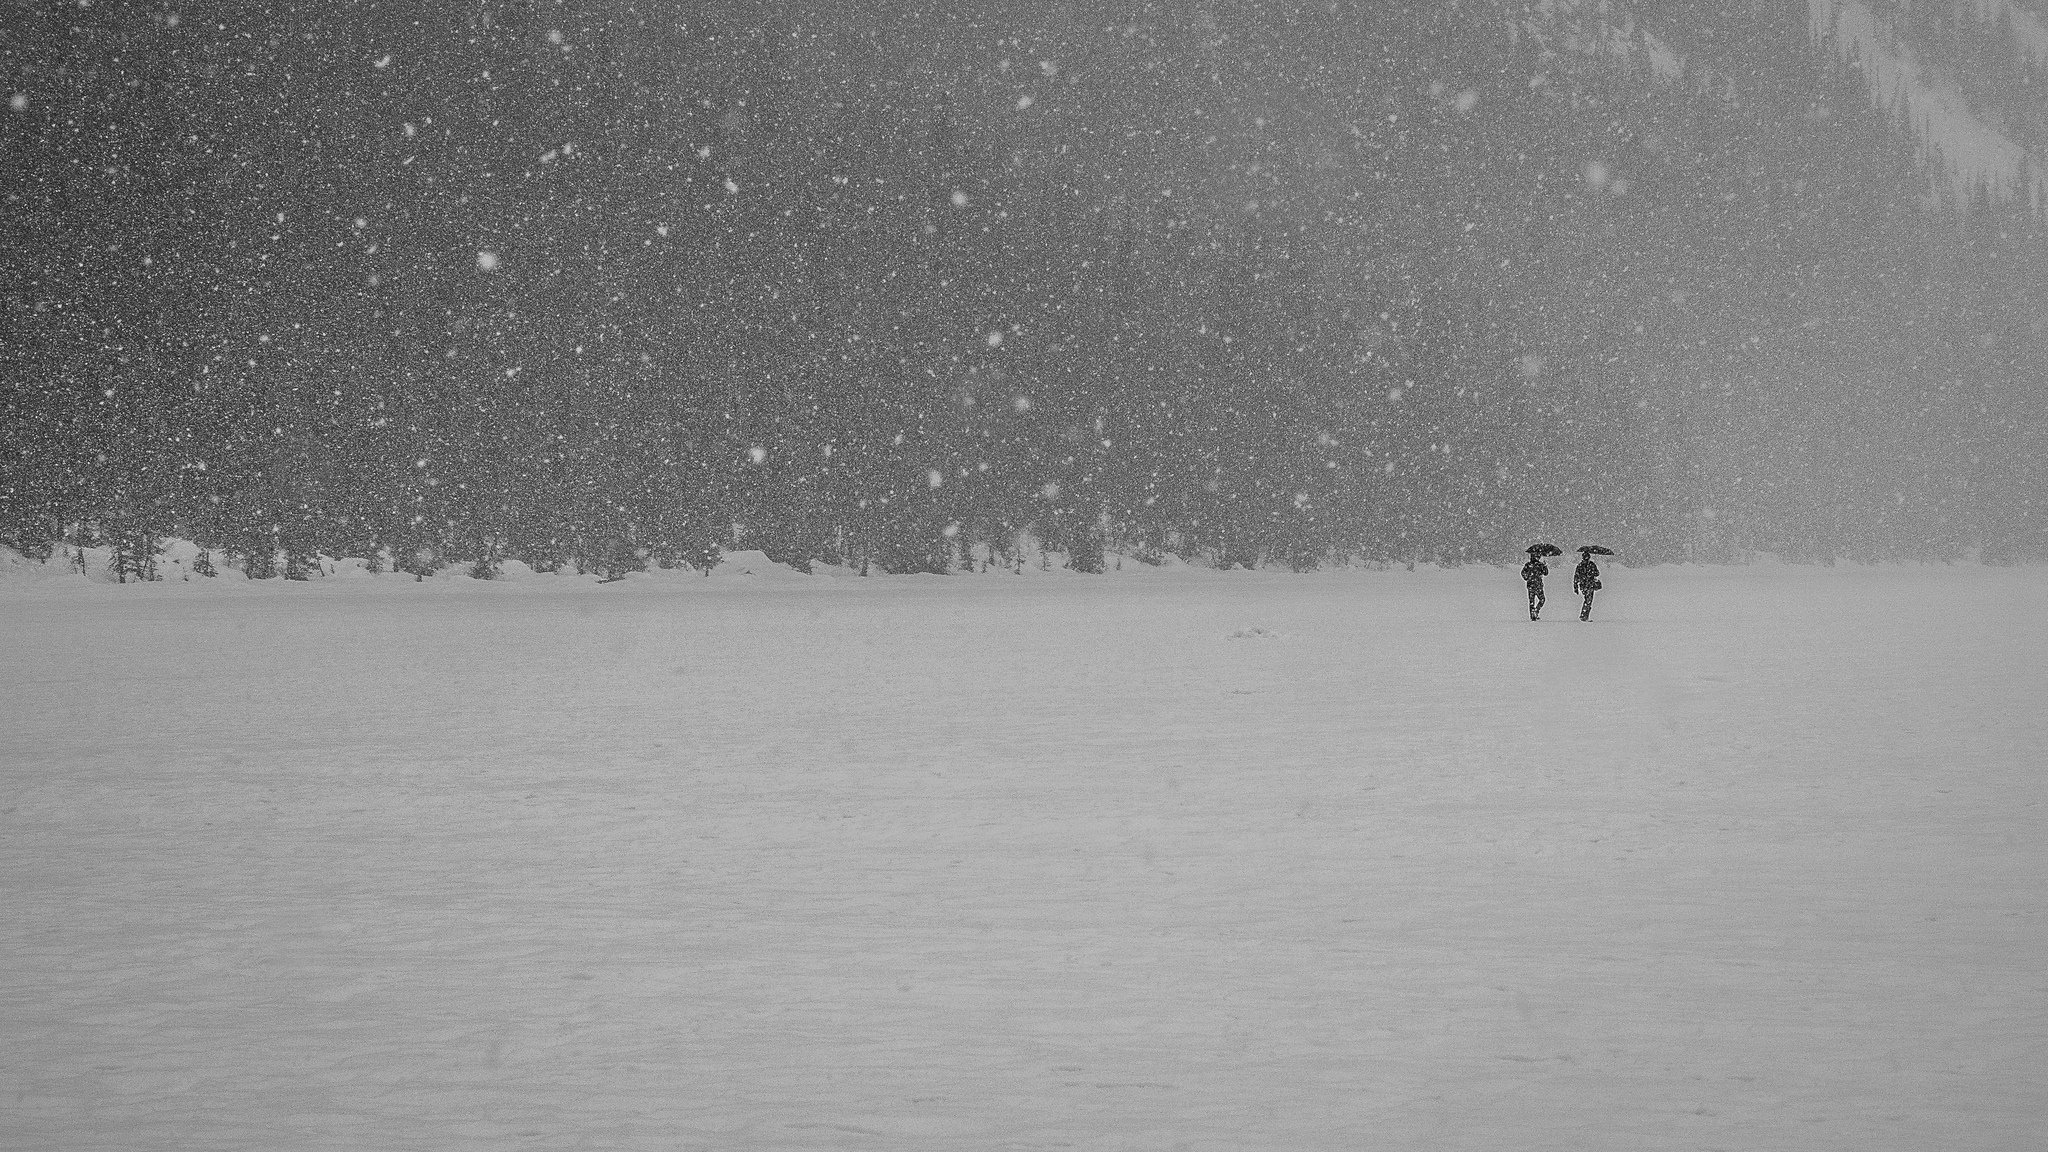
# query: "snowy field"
1755,860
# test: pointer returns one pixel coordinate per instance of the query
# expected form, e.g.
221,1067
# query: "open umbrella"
1595,549
1546,550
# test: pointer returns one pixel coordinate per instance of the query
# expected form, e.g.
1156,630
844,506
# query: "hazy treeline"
616,282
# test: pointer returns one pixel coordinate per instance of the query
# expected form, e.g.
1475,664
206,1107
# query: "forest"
606,285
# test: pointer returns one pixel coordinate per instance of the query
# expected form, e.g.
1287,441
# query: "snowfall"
1166,858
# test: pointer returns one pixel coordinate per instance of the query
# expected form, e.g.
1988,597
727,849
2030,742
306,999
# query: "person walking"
1586,581
1533,573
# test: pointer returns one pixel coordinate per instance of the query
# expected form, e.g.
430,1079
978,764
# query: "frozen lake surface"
1179,859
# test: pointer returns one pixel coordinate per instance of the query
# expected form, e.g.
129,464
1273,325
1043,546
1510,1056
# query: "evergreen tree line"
590,284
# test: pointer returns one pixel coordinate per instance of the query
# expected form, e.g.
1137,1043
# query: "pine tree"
134,555
259,564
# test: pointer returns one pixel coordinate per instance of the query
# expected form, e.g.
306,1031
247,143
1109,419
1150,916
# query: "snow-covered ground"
1163,859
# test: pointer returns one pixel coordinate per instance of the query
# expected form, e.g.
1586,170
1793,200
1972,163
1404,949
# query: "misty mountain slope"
1969,77
1270,285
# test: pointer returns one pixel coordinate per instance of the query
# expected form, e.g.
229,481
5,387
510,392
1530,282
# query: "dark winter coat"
1534,571
1586,577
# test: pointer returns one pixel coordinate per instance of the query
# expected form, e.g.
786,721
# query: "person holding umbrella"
1586,577
1533,573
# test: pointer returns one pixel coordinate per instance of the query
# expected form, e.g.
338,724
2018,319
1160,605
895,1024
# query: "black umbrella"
1596,550
1546,550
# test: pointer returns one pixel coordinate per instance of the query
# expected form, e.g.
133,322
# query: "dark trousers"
1586,609
1535,599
